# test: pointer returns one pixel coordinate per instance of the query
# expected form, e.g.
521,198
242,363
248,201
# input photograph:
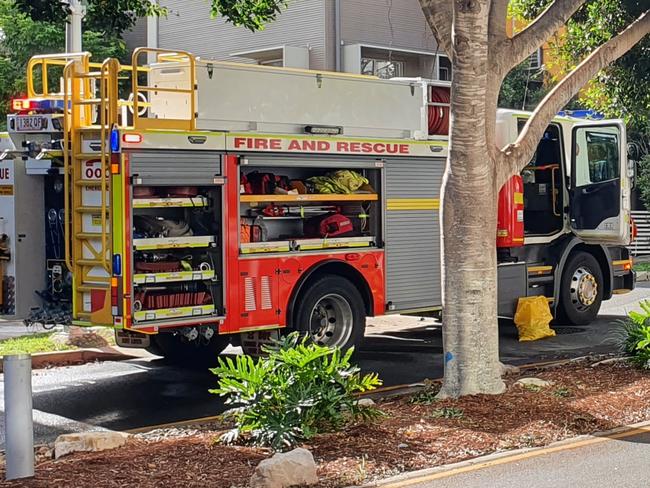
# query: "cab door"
599,196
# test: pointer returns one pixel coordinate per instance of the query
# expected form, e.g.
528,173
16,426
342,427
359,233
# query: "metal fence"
641,245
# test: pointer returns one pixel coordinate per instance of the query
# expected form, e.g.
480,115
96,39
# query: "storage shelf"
172,277
199,201
310,197
298,245
334,243
173,242
265,247
172,313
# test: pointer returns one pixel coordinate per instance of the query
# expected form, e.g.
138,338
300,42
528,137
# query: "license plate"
30,123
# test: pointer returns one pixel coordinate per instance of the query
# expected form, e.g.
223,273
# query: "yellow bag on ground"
533,318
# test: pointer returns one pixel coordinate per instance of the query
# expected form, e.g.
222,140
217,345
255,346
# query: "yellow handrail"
67,117
46,60
78,95
108,119
165,56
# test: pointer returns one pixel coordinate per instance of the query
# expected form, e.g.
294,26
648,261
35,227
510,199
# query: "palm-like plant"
296,391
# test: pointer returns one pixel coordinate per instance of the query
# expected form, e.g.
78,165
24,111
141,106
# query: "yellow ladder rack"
91,111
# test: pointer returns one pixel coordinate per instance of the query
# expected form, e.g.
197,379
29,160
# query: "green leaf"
251,14
298,390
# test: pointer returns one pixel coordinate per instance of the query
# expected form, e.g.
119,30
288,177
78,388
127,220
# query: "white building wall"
190,27
391,23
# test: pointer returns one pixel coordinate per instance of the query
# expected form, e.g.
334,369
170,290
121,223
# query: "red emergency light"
21,105
132,138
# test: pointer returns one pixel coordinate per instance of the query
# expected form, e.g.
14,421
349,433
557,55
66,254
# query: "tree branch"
440,17
539,30
517,155
497,21
497,34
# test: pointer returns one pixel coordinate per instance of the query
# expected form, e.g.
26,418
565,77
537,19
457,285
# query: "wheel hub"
584,288
331,321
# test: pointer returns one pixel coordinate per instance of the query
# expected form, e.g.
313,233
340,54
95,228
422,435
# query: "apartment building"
386,38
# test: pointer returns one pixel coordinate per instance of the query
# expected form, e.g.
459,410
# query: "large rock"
292,468
366,403
534,382
88,442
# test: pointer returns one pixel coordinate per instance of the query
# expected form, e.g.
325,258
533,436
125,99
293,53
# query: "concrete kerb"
643,276
429,474
76,356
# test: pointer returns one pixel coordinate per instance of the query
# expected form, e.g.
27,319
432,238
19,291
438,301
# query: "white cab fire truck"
211,202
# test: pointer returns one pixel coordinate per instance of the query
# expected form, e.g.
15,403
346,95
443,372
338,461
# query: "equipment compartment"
297,209
177,252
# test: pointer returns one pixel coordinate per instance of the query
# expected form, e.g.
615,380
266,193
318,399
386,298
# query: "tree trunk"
469,219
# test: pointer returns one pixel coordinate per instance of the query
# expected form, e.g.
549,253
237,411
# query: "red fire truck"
210,202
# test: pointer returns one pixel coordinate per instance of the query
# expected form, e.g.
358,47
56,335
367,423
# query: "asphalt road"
144,392
620,463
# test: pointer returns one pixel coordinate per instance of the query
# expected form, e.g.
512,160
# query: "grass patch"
448,413
427,395
641,266
31,344
562,392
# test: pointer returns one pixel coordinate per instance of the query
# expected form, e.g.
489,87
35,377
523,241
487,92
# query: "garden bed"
582,399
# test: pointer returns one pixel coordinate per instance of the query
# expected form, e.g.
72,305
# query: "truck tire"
331,312
192,354
581,289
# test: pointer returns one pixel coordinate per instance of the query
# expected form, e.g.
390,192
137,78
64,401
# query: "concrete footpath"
10,329
620,460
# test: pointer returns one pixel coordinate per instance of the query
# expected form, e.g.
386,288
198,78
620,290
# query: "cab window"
597,155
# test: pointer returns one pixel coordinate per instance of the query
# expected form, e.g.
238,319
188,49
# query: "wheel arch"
331,267
599,252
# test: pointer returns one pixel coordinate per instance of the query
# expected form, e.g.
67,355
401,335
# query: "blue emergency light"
37,105
115,141
587,114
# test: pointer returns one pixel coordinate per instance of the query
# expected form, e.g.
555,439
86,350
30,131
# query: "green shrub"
634,335
298,390
641,356
643,180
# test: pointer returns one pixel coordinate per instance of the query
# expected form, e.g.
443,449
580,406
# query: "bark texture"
472,33
470,331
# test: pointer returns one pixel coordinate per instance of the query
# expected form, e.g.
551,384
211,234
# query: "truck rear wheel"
581,289
331,312
179,351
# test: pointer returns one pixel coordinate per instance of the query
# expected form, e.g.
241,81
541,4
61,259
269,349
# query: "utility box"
22,226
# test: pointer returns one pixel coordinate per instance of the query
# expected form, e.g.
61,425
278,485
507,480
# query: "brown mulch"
582,400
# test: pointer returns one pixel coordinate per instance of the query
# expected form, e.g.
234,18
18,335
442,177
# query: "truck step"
89,288
89,262
90,182
89,210
85,156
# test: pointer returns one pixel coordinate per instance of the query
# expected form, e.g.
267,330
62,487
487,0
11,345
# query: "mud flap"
101,307
252,342
126,338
